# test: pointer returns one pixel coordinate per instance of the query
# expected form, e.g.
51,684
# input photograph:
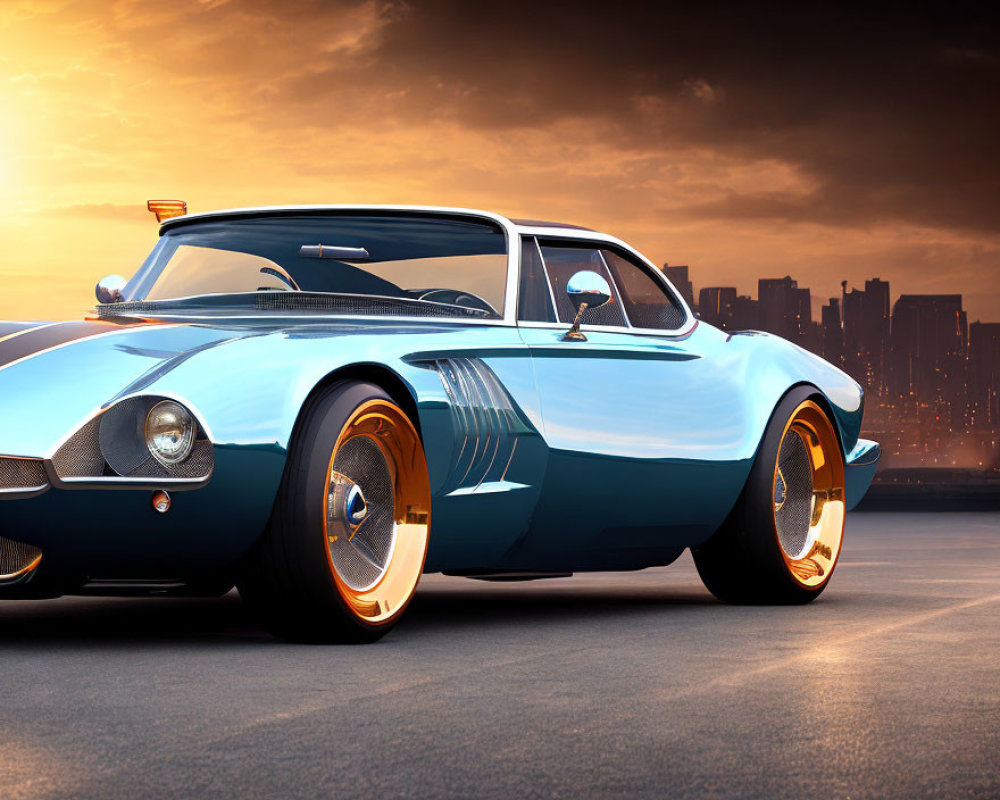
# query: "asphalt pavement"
631,685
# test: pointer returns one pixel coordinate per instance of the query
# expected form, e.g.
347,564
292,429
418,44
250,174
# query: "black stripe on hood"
7,328
17,345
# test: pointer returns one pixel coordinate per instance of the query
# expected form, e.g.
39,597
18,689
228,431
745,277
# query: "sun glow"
104,106
5,152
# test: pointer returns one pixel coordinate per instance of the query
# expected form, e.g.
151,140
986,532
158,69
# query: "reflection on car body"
318,404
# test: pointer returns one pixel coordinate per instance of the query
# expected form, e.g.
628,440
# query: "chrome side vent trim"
485,421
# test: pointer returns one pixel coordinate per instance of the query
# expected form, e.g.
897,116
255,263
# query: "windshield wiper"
285,278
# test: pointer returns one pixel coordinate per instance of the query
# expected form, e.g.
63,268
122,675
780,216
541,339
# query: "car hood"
53,376
244,378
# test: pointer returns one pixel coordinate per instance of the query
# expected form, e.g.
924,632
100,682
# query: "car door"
632,416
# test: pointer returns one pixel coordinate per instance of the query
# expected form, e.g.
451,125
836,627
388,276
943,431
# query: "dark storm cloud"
888,112
892,111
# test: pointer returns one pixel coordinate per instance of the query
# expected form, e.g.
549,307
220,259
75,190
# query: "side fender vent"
485,421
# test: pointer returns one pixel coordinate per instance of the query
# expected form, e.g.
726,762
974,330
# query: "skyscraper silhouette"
932,381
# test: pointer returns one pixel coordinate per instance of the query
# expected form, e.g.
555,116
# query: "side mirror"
109,289
585,290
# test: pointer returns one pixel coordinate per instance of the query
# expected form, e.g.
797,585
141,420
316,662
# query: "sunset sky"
747,140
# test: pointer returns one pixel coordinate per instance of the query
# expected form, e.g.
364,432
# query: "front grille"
16,557
81,456
122,435
22,473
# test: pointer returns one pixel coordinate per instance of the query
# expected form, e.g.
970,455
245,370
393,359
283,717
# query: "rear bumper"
859,469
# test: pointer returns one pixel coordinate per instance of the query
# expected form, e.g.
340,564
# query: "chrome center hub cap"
793,497
360,520
355,506
780,491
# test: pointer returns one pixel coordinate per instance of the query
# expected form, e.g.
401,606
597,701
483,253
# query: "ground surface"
629,685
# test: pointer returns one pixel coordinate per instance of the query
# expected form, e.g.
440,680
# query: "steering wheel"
455,297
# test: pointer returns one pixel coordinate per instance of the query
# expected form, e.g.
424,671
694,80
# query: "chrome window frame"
597,240
548,281
613,285
510,231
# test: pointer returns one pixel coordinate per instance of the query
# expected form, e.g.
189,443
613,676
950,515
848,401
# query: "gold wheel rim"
376,546
809,529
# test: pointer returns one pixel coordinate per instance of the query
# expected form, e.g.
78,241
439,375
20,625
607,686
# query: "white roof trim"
228,212
513,232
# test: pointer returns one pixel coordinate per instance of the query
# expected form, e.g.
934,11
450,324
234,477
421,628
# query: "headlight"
169,432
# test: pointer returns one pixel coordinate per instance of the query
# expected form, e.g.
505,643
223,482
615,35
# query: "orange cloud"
675,135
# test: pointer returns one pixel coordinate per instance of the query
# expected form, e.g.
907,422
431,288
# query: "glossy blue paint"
613,453
616,452
860,466
652,437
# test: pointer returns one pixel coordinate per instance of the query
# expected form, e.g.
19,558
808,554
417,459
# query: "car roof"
520,227
537,223
266,211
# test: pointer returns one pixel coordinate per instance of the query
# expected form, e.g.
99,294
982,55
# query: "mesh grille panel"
122,434
15,556
375,306
81,456
22,473
793,495
361,559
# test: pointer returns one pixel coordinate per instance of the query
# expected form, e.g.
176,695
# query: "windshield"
419,263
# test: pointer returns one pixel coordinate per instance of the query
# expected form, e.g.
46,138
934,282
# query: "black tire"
294,579
745,561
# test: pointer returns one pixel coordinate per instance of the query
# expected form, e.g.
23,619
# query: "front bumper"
859,469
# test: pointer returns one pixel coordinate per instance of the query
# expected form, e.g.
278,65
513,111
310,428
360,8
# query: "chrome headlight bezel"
164,418
111,449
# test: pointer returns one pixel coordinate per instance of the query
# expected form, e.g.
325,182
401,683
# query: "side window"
647,302
534,303
561,263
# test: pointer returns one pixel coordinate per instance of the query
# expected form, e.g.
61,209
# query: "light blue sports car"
318,404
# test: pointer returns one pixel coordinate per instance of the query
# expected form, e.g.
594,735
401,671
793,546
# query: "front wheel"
345,547
781,542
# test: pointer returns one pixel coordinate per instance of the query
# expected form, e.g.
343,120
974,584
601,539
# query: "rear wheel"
346,543
781,542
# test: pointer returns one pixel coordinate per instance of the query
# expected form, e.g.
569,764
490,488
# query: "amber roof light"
167,209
